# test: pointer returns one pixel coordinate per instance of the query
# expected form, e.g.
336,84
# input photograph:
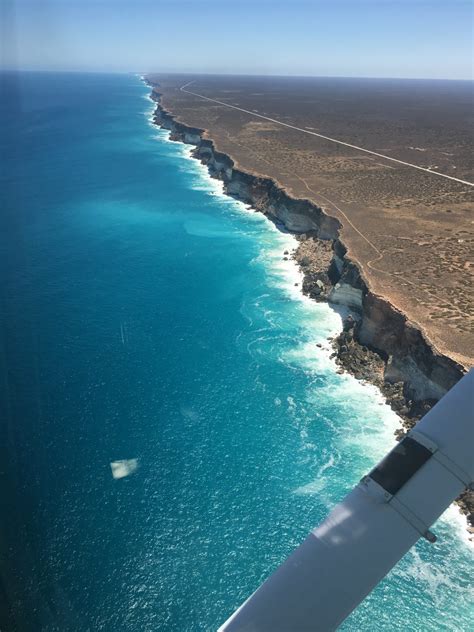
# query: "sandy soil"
411,232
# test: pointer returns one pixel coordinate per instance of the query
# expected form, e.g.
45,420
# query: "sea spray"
153,321
364,435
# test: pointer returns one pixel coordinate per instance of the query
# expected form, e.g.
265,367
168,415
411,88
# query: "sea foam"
319,322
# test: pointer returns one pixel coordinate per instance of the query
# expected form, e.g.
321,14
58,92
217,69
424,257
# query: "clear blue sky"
372,38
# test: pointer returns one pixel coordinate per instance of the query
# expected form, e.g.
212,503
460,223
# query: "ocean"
147,317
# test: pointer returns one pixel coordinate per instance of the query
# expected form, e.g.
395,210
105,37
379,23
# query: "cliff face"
409,358
378,343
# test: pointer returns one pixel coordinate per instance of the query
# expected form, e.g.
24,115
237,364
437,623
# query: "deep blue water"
145,316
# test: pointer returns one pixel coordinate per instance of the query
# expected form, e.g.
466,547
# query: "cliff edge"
378,343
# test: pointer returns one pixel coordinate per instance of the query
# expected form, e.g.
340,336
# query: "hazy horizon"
185,73
399,39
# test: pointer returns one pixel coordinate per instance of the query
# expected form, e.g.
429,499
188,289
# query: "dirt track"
411,232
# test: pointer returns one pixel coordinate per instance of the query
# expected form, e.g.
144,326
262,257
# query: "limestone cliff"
379,344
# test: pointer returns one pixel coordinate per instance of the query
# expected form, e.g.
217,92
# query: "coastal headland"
379,195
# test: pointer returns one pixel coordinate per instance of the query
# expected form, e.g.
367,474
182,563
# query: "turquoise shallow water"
146,316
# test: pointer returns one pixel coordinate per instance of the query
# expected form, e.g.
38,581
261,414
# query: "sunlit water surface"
149,317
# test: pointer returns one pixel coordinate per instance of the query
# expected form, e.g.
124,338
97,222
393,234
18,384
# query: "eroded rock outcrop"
378,344
329,273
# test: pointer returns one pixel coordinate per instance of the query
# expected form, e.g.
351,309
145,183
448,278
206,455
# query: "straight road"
332,140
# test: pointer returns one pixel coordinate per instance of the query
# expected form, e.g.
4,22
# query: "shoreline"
377,345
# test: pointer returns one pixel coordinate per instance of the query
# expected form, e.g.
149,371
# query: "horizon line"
228,74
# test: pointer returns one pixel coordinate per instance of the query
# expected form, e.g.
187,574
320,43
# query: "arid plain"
410,231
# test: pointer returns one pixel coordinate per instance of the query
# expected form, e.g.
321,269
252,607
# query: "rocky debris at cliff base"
367,365
314,257
320,261
466,505
355,358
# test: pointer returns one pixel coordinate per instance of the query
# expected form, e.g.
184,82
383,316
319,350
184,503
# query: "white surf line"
332,140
